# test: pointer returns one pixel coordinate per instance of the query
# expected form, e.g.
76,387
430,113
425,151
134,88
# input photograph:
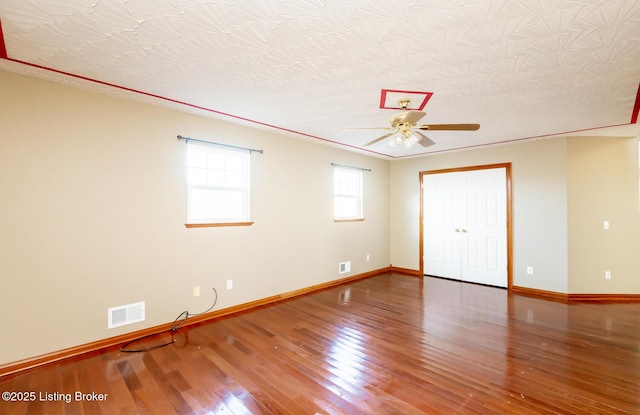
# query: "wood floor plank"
390,344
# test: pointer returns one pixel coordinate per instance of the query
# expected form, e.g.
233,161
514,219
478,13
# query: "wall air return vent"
125,314
344,267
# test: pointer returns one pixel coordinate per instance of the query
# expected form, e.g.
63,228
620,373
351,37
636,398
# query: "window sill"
216,225
349,220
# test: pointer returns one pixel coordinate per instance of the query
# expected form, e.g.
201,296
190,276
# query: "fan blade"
452,127
413,116
424,141
379,139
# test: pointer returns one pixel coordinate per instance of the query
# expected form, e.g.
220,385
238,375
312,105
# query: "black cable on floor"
177,323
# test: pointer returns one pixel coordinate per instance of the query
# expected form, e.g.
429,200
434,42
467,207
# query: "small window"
347,191
218,181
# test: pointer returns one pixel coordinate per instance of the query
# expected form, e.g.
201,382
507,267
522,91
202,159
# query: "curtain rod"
349,167
250,150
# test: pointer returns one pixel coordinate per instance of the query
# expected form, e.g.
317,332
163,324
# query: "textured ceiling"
523,69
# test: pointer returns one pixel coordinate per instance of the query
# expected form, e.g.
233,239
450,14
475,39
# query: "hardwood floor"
391,344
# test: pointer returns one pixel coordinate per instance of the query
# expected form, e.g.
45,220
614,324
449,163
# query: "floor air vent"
125,314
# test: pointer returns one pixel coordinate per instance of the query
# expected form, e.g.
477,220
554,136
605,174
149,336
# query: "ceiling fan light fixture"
396,139
411,140
404,138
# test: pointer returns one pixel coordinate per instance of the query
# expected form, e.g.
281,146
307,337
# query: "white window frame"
348,193
218,182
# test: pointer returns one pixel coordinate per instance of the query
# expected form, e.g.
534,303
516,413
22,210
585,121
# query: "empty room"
320,207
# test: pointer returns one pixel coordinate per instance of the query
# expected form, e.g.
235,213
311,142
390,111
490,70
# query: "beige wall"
603,185
93,206
563,190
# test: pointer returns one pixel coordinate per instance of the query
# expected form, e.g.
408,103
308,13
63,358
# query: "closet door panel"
441,214
486,228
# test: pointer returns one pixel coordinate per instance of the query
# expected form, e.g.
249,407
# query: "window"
347,193
218,181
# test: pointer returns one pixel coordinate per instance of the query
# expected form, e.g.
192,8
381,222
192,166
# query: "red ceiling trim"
188,104
383,98
3,48
4,55
515,140
636,108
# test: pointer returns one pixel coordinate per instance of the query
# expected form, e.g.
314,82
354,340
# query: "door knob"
464,231
457,230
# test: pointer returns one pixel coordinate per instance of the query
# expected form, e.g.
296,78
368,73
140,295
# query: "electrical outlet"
196,291
605,224
229,284
607,275
368,257
529,270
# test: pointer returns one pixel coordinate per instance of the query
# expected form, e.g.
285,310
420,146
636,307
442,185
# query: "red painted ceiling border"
3,48
634,117
4,55
636,108
514,140
188,104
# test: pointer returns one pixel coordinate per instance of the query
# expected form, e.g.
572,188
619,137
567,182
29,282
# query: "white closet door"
484,244
443,213
465,226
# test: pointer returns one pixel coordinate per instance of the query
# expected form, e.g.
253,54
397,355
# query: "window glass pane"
233,179
215,178
197,176
216,205
233,164
348,188
197,158
218,180
347,193
346,207
215,161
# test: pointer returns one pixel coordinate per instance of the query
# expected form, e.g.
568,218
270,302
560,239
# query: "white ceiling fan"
405,131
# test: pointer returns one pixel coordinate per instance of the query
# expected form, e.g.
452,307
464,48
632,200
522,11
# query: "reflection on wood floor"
391,344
